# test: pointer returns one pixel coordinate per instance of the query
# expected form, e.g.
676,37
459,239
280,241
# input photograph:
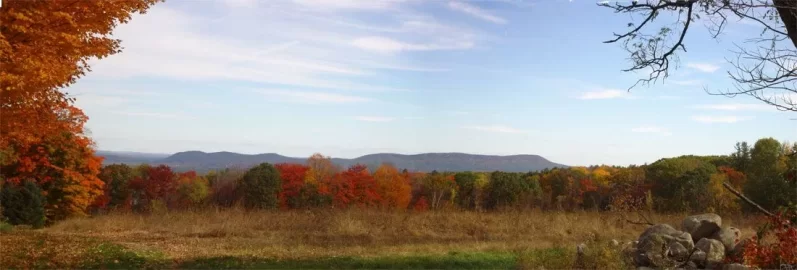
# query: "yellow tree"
321,169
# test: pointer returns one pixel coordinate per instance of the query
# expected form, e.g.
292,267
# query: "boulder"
677,251
701,226
738,249
729,237
660,245
668,232
715,252
698,257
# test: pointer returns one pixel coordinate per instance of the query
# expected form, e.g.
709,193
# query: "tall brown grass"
321,233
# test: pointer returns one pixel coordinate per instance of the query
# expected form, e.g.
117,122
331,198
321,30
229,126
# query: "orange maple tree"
394,187
45,46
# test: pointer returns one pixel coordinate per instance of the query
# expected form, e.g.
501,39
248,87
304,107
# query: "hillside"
201,161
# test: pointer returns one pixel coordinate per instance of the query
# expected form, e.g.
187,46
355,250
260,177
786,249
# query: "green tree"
681,183
23,205
504,190
117,179
741,157
260,187
466,189
765,182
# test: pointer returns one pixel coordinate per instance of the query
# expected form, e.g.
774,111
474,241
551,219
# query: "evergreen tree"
23,205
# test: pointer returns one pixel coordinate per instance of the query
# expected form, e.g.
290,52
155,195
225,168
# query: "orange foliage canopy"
394,187
45,46
354,186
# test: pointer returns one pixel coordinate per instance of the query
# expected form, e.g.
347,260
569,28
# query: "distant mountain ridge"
202,161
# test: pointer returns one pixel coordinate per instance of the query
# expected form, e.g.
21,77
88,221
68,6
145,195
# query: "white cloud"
495,128
652,129
299,48
605,94
476,12
374,118
704,67
310,97
735,107
389,45
719,119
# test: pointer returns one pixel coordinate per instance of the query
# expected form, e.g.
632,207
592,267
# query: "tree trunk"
787,9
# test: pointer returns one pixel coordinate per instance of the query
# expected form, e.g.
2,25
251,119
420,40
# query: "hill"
201,161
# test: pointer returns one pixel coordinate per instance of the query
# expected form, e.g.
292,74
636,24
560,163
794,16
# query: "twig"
645,222
738,194
688,258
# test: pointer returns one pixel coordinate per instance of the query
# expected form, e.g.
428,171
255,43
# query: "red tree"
157,183
292,176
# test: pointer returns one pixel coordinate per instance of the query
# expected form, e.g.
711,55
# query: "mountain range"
201,161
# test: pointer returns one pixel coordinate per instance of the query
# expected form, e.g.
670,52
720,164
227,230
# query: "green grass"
450,261
113,256
5,227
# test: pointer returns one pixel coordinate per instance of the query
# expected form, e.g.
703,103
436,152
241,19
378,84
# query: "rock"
701,226
738,249
644,268
657,243
668,232
715,252
690,265
677,251
614,242
698,256
581,248
735,266
729,237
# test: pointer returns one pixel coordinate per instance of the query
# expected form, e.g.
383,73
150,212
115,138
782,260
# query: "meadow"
355,238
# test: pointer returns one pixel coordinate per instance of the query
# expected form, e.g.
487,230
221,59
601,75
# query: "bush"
23,205
261,186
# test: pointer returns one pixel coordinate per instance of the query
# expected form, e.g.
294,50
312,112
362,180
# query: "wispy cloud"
605,94
735,107
152,114
667,97
332,5
496,128
389,45
703,67
457,113
652,129
476,12
310,97
719,119
374,118
685,82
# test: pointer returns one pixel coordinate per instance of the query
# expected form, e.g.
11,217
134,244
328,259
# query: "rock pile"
701,243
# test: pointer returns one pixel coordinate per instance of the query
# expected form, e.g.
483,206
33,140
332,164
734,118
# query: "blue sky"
347,78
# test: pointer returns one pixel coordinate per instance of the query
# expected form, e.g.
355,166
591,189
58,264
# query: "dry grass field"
310,239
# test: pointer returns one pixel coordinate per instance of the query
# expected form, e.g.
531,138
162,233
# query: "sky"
347,78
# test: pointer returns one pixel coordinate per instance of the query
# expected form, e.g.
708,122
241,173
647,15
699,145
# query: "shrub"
23,205
261,186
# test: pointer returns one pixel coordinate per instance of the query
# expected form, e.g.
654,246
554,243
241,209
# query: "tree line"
765,172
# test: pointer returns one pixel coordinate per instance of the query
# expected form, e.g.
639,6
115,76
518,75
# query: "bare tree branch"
765,68
745,199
